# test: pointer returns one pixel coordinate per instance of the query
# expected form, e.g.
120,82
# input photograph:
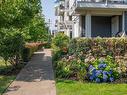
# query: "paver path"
36,78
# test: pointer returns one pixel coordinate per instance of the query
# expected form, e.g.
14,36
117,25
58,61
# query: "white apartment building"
91,18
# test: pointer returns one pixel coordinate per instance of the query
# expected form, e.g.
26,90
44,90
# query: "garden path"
37,77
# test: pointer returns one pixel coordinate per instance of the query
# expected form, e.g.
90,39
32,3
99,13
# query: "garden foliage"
11,46
60,45
20,21
103,70
94,59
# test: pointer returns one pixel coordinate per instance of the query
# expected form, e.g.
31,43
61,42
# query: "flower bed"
93,59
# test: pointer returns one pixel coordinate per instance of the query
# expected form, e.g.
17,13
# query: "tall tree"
25,15
19,20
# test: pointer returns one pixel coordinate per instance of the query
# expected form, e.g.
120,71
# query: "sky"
48,11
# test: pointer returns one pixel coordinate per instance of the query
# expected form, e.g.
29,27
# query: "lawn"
5,80
68,87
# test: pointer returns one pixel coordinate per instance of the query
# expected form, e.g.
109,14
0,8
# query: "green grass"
68,87
5,80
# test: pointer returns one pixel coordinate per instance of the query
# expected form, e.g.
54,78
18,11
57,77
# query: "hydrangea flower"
98,72
110,72
91,67
111,79
105,72
102,66
91,78
98,80
105,78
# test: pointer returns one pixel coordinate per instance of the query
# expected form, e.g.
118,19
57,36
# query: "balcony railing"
100,1
104,1
118,4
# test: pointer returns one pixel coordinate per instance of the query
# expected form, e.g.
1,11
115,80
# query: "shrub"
60,40
89,49
103,70
60,45
70,68
86,56
29,49
99,46
11,46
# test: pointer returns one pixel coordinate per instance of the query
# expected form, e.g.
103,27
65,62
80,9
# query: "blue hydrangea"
111,79
110,72
105,72
98,80
98,72
105,78
91,77
91,67
102,66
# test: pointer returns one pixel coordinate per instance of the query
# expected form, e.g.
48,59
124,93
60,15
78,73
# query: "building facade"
91,18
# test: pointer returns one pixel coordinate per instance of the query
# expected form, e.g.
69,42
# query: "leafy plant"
61,41
60,45
103,70
11,46
71,68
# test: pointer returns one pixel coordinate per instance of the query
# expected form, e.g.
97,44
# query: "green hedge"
99,47
89,48
85,52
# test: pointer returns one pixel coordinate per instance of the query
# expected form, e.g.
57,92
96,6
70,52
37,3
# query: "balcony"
60,9
98,5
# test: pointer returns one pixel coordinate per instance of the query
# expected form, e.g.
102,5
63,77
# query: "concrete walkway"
36,78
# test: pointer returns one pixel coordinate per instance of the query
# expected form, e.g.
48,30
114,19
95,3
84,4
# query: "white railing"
99,1
102,1
73,3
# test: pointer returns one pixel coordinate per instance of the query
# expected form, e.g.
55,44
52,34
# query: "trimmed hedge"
29,50
89,48
82,53
99,47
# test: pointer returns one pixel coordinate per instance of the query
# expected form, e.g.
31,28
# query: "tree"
19,20
11,46
26,15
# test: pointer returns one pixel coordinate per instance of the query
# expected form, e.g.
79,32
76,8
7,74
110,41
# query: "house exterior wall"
85,21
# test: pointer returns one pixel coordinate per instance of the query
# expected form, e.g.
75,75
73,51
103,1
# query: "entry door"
115,25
